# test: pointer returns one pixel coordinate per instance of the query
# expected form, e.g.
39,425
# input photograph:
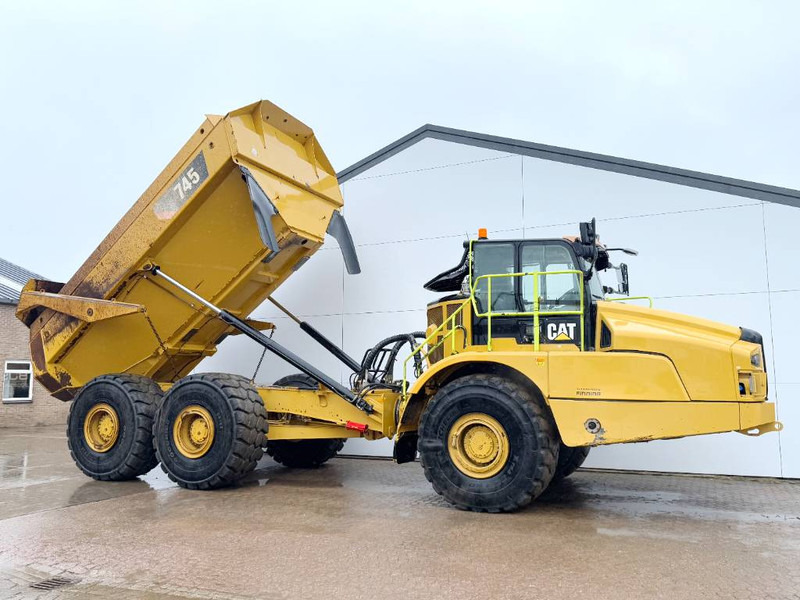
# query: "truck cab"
563,295
541,292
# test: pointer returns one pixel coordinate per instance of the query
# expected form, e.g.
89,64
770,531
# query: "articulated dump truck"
527,362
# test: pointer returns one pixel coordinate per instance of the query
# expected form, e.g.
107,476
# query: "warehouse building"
24,401
708,246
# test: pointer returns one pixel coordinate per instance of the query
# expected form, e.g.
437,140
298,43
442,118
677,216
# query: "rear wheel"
302,454
570,460
110,424
487,444
210,430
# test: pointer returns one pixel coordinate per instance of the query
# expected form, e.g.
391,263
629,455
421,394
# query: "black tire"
302,454
240,430
134,399
531,437
570,460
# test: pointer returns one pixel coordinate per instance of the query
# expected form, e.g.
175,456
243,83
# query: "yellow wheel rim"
193,431
101,427
478,445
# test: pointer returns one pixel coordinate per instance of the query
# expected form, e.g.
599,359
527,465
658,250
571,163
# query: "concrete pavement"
368,528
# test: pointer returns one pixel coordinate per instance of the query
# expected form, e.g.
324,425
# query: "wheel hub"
193,432
198,431
478,445
101,427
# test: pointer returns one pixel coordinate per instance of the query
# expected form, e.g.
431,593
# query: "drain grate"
52,583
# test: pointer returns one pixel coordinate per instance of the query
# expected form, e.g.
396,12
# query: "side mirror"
622,279
630,251
588,248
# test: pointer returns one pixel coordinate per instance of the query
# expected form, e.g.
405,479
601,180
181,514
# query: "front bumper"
595,422
758,418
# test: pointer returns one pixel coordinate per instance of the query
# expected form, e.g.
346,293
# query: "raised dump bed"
245,202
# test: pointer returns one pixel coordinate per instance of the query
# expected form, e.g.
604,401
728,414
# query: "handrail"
450,322
624,298
431,349
536,312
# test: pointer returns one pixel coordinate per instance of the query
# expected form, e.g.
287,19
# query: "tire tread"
544,431
250,438
145,395
570,460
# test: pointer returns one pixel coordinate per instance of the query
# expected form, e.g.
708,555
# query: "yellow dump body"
244,203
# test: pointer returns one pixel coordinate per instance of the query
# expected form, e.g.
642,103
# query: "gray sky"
98,96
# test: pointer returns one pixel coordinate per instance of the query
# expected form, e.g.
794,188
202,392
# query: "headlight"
755,359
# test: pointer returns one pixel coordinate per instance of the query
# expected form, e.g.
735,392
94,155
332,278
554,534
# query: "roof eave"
696,179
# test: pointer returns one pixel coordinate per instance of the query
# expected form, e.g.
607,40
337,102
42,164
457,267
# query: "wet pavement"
368,528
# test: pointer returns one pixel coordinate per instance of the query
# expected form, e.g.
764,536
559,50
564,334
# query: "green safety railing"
626,298
450,325
536,313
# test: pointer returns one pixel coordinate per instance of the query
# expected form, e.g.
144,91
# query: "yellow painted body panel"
701,350
614,376
643,421
279,430
563,374
197,223
532,364
88,310
296,413
664,375
758,415
324,405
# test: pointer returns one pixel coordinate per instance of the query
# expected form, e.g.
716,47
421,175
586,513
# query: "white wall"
702,253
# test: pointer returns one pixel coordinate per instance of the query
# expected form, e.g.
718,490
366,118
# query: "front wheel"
487,444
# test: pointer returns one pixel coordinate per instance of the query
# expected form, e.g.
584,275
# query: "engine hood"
700,349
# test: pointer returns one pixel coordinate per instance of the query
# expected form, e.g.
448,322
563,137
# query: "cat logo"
561,332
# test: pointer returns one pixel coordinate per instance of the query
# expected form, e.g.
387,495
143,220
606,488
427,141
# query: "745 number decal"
182,188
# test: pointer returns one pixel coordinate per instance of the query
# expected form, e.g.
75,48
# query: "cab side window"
494,259
556,292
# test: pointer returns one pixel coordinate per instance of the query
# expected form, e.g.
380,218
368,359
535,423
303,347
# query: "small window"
17,381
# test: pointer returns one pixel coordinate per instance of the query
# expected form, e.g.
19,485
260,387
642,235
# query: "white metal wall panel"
781,224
